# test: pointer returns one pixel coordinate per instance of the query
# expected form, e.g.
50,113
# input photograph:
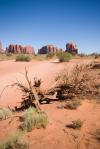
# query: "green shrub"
32,119
73,104
50,55
23,57
64,56
14,141
76,124
5,113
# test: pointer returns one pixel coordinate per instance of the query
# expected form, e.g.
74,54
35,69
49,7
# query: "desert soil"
56,135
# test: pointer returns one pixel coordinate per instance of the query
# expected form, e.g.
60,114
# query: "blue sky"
42,22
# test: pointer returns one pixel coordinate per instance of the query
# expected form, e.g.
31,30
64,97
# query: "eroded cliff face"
48,49
72,48
20,49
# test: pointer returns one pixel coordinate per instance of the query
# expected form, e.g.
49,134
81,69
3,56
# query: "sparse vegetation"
92,55
64,56
32,119
76,124
14,141
11,56
50,55
4,56
72,104
82,55
22,57
95,55
40,57
5,113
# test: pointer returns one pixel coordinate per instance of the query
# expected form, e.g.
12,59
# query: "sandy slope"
56,135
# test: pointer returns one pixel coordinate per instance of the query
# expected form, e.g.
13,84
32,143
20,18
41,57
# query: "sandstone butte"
48,49
20,49
72,48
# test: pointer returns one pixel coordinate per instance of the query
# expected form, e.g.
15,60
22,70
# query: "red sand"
56,135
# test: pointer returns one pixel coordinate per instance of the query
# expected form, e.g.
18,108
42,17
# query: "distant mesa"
17,49
20,49
72,48
48,49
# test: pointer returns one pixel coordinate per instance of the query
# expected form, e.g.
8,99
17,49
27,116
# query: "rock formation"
72,48
20,49
48,49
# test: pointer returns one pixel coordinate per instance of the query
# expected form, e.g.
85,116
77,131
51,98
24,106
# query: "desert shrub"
50,55
14,141
79,82
22,57
5,113
64,56
72,104
97,134
76,124
32,119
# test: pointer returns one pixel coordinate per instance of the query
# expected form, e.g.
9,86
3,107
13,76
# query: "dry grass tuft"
14,141
76,124
32,119
72,104
5,113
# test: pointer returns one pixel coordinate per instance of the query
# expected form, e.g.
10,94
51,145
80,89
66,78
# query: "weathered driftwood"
30,92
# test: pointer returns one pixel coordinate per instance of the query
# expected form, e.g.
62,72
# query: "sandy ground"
11,71
56,135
